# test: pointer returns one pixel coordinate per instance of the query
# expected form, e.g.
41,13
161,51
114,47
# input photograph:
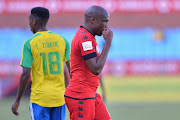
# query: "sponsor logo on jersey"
87,45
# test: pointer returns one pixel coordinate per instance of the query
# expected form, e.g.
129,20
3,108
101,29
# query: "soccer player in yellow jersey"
43,57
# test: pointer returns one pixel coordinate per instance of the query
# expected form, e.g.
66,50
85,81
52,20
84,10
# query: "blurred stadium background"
142,73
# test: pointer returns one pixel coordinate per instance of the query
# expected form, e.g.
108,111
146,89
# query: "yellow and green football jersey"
44,53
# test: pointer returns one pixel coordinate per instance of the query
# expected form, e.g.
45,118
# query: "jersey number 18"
51,63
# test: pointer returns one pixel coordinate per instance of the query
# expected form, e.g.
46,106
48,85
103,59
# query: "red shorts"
87,109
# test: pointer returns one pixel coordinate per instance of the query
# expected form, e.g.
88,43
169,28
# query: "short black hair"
41,13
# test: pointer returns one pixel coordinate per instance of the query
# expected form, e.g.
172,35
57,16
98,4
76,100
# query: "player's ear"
34,21
93,20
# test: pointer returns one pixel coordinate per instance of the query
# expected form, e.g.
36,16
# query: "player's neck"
42,29
89,29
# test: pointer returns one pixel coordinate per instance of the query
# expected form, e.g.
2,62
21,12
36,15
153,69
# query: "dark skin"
36,25
67,77
96,19
102,88
24,80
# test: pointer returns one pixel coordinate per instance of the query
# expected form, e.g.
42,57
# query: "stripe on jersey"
89,56
31,111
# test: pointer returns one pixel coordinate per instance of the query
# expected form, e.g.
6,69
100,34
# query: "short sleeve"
67,50
88,49
27,58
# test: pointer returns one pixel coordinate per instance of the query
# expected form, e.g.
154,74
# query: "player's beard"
100,33
33,30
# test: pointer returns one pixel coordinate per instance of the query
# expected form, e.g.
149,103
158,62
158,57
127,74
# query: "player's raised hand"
15,108
107,34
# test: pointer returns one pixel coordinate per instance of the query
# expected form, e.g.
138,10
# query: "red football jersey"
83,83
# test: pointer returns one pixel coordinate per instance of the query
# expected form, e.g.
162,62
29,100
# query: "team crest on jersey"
83,31
87,45
85,37
97,49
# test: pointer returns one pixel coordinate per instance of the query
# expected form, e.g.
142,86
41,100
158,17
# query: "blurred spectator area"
69,13
123,20
146,34
128,44
144,30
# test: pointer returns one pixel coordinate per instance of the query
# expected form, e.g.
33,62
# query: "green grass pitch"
118,110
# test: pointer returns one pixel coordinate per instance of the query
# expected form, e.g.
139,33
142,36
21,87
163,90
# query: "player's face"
32,23
101,24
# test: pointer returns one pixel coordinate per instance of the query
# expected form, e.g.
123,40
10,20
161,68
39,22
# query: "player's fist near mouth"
107,34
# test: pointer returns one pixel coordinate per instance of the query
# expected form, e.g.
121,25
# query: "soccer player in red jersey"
86,64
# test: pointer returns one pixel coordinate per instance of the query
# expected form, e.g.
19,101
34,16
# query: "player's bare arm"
96,65
102,88
68,66
24,80
67,73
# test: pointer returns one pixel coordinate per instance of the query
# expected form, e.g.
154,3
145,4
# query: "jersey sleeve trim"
27,55
27,58
89,56
67,51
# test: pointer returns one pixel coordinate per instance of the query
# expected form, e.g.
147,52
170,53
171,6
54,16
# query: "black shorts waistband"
81,98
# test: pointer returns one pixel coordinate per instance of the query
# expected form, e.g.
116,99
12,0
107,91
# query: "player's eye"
105,21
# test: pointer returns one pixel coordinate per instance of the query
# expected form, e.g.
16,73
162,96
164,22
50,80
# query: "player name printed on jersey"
47,45
50,44
87,45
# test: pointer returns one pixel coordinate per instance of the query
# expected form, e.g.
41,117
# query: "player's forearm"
69,69
67,78
96,65
102,88
101,84
24,80
102,58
